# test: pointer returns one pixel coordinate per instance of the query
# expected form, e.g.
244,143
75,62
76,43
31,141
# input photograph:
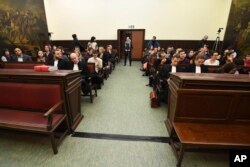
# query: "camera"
219,30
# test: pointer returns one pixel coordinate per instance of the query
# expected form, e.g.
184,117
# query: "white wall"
167,19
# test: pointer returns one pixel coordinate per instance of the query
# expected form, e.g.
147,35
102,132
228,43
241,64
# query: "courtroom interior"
124,83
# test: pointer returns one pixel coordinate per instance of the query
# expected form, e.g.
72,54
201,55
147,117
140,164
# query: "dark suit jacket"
166,70
26,58
82,66
106,58
48,57
191,68
62,64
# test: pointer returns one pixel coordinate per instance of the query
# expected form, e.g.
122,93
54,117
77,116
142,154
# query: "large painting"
238,27
23,23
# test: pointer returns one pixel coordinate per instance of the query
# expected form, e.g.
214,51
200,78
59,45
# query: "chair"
91,69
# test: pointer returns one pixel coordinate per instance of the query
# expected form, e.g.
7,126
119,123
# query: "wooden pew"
208,111
69,81
37,108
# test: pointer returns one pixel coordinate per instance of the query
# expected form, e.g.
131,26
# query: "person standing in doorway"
128,47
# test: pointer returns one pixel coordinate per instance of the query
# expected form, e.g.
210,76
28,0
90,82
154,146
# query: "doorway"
137,36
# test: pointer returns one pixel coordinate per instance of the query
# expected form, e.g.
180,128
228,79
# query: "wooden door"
138,42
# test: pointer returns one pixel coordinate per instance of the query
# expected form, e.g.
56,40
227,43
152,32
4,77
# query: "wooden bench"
208,111
34,107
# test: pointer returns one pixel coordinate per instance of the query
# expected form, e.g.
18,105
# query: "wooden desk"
208,111
69,81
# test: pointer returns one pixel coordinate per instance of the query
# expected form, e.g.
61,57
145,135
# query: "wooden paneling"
67,44
185,44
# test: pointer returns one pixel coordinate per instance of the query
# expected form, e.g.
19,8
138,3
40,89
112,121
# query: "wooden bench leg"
178,151
180,156
53,143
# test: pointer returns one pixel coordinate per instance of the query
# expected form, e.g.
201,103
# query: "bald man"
75,64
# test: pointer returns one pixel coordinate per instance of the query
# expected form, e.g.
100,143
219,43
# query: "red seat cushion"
33,96
25,119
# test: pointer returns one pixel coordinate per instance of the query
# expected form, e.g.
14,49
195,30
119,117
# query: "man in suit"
198,66
19,56
164,74
58,62
75,64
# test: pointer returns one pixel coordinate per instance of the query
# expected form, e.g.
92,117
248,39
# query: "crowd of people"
158,63
104,59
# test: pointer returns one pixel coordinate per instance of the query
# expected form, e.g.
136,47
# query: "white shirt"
209,63
75,68
4,59
173,69
55,64
97,61
93,45
198,69
20,59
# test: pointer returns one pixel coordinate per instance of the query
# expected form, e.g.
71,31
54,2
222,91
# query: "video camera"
219,30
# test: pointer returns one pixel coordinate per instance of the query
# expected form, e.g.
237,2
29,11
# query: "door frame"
119,39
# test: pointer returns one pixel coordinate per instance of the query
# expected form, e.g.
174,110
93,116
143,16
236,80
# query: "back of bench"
29,96
220,106
19,65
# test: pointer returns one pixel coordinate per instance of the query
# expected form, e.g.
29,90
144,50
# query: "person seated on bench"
79,54
183,59
110,56
6,56
158,64
198,66
247,61
19,56
229,66
213,60
47,53
163,77
40,57
190,56
58,62
96,79
104,56
75,64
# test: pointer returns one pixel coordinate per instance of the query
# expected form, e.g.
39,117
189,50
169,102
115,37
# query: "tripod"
216,46
216,43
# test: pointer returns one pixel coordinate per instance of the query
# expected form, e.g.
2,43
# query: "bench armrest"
52,109
49,113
